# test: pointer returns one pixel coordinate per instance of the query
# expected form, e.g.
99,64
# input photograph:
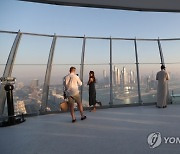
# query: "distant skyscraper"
118,77
54,92
105,78
19,107
34,83
124,77
104,74
153,76
115,75
148,83
19,85
132,76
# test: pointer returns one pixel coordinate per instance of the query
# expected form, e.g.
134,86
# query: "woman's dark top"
92,93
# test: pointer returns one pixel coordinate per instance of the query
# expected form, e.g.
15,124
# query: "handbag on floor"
64,106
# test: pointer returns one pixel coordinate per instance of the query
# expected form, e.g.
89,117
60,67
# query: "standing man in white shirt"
71,92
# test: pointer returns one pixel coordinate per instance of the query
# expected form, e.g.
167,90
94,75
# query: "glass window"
149,64
124,72
171,56
29,70
97,60
67,53
6,42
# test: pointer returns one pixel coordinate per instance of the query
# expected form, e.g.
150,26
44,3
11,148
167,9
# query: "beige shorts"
73,99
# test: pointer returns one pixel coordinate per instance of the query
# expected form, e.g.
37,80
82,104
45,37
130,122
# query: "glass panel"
2,66
149,60
124,73
6,42
123,52
171,56
148,52
148,82
67,53
97,51
102,83
29,69
125,90
174,82
31,62
97,60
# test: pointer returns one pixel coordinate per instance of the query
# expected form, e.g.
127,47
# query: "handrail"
101,64
93,37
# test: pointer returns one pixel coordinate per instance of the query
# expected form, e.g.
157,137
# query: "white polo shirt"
71,83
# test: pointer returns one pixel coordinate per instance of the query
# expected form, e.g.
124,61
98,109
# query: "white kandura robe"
162,88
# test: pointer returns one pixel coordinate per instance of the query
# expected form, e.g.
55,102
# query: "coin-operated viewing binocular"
11,119
10,80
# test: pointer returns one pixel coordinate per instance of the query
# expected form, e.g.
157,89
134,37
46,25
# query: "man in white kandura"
162,88
71,92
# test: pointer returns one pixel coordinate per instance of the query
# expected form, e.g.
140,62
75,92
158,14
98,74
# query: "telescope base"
13,120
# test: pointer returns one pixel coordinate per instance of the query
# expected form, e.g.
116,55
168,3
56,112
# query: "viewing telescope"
11,119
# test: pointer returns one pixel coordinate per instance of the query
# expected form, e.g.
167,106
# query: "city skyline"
28,98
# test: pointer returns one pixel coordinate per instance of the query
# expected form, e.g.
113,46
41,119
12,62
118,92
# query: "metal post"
111,85
160,52
82,64
8,69
48,75
137,68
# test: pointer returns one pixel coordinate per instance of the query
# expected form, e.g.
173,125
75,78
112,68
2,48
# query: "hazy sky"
62,20
44,18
